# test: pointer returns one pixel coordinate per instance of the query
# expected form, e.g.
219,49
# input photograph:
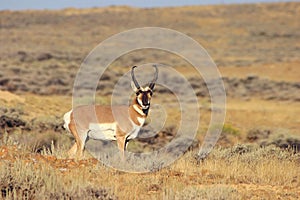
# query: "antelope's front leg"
121,144
121,141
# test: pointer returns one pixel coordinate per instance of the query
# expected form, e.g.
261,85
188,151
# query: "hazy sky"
58,4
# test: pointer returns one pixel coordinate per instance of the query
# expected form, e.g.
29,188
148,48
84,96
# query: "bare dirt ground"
256,48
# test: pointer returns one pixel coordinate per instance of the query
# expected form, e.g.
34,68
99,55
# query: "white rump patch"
105,131
67,119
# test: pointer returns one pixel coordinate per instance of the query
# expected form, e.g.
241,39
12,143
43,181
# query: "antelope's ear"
133,87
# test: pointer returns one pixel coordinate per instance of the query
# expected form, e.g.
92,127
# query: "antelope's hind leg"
80,139
72,151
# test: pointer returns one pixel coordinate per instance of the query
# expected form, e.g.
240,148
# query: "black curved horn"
133,78
152,83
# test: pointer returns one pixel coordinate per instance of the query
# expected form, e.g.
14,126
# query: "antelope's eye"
138,93
151,93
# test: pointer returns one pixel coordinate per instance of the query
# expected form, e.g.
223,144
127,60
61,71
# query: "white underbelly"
105,131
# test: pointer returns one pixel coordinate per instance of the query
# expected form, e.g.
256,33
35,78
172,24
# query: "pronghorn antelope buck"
98,122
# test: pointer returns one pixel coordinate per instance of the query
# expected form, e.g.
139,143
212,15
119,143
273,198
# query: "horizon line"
222,2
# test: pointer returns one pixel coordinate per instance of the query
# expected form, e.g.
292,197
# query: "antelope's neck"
137,114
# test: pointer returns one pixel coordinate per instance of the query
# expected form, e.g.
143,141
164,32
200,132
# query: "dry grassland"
256,48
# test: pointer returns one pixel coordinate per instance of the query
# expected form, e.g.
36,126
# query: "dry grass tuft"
228,173
212,192
28,177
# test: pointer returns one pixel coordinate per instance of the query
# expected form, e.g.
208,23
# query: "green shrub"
229,129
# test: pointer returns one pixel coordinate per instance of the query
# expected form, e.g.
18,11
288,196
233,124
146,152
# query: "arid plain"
256,48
